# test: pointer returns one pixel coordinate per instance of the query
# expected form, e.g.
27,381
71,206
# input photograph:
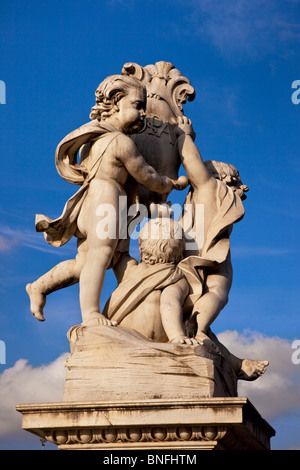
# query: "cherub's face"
132,111
235,182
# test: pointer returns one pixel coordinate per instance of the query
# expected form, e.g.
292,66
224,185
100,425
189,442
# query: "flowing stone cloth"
133,290
59,231
216,246
230,210
115,363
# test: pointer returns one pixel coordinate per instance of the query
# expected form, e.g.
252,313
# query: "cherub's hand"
184,126
181,183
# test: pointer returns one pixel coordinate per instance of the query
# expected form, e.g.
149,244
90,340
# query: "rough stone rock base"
119,363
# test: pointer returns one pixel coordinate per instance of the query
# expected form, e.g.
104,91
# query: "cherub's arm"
171,302
143,173
124,266
196,171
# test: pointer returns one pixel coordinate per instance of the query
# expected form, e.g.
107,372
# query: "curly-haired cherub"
109,160
218,189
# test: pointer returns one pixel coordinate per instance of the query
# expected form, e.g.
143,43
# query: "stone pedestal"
204,424
123,391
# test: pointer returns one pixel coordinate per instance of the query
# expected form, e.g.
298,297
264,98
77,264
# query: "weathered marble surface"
108,362
228,423
147,371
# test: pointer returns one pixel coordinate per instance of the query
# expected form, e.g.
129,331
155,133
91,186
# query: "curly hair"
228,174
161,241
110,91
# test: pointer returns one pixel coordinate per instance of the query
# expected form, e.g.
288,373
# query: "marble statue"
132,149
146,370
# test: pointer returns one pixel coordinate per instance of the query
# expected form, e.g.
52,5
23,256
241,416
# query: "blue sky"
242,58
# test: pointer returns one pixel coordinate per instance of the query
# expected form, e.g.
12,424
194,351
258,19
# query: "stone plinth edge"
208,423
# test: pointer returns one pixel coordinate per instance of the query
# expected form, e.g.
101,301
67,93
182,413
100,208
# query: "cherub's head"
123,98
229,175
161,241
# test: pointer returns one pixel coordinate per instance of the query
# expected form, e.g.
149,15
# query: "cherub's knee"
100,254
221,298
79,262
224,300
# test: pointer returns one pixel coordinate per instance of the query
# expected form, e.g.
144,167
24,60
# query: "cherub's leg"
246,369
171,301
215,297
91,282
98,220
62,275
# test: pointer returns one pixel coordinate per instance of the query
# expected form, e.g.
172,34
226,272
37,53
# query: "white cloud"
14,237
23,383
253,28
6,243
249,251
277,391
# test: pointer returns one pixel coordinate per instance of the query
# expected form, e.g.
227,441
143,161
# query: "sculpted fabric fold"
59,231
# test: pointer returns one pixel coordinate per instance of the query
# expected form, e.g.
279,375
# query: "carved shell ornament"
163,82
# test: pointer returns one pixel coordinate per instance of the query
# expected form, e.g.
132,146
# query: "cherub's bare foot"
37,301
195,341
97,318
204,340
251,369
185,340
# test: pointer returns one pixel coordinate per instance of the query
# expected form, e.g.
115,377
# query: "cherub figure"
218,187
151,294
109,162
